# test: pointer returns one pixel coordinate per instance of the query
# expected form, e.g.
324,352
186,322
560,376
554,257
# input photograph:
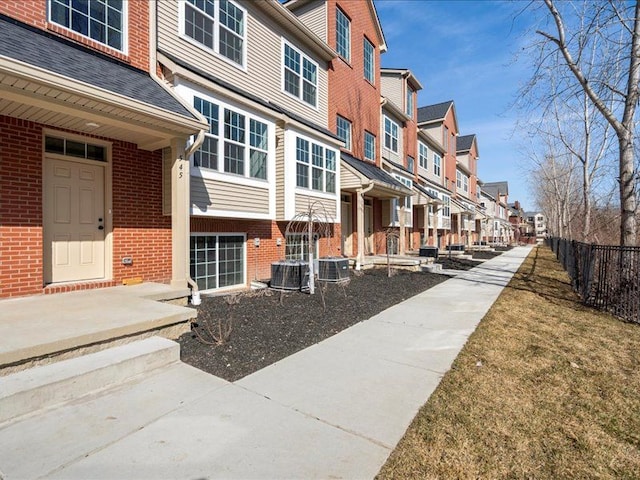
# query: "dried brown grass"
544,388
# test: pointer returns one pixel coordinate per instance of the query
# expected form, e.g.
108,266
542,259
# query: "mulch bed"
455,263
268,325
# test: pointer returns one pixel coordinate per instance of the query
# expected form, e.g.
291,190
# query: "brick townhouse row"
193,142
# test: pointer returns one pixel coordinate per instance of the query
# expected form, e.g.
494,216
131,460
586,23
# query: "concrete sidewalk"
334,410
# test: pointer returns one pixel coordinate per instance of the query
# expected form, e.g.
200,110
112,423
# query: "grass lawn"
544,388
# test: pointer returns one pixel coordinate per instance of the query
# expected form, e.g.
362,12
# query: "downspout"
153,66
360,203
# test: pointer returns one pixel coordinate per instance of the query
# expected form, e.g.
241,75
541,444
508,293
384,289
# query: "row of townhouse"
179,141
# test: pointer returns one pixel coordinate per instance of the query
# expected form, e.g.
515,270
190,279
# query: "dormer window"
219,25
99,20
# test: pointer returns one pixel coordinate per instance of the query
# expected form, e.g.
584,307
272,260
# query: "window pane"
331,182
100,20
302,150
317,179
258,164
369,146
302,175
291,59
207,155
76,149
231,17
60,13
317,155
309,71
331,160
230,45
368,61
309,93
95,152
198,26
344,131
258,134
54,145
291,82
233,158
343,35
233,126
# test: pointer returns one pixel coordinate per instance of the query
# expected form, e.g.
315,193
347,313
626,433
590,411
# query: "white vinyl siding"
300,75
343,35
218,25
262,73
101,20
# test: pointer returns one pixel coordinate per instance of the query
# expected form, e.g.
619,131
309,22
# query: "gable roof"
295,4
432,113
46,51
496,188
404,73
372,172
465,142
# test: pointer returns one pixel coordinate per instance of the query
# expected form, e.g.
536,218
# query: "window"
297,246
423,155
218,25
343,130
462,181
409,102
321,161
207,155
243,141
446,208
217,261
343,35
465,183
99,20
445,138
74,148
300,75
436,164
369,61
458,179
390,134
411,163
369,146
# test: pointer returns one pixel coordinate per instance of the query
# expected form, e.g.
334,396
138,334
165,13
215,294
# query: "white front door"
74,221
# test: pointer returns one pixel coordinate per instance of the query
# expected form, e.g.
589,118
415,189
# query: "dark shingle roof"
494,188
434,112
249,96
464,142
47,51
371,171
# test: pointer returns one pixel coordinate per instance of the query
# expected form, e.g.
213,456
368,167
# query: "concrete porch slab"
45,325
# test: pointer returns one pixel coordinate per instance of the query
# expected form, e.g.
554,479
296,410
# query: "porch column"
425,240
402,241
360,227
180,214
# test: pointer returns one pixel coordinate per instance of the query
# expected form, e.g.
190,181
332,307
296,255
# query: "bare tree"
610,79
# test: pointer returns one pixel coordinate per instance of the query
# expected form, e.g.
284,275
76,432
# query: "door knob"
100,227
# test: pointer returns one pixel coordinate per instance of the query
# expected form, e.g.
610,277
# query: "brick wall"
20,207
268,232
350,95
139,228
34,12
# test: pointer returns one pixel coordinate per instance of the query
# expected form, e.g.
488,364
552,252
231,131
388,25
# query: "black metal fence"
606,277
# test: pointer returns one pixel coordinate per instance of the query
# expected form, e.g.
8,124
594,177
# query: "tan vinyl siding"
348,179
230,197
314,16
280,167
391,87
263,75
166,181
322,205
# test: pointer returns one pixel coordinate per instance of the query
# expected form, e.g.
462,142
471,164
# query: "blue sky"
465,51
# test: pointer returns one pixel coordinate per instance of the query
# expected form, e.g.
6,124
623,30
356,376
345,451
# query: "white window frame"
124,27
347,57
423,155
248,147
371,63
446,206
217,260
437,165
391,136
370,135
216,32
312,166
347,140
409,102
300,75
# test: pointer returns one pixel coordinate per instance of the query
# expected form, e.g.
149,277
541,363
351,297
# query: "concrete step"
432,268
37,388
